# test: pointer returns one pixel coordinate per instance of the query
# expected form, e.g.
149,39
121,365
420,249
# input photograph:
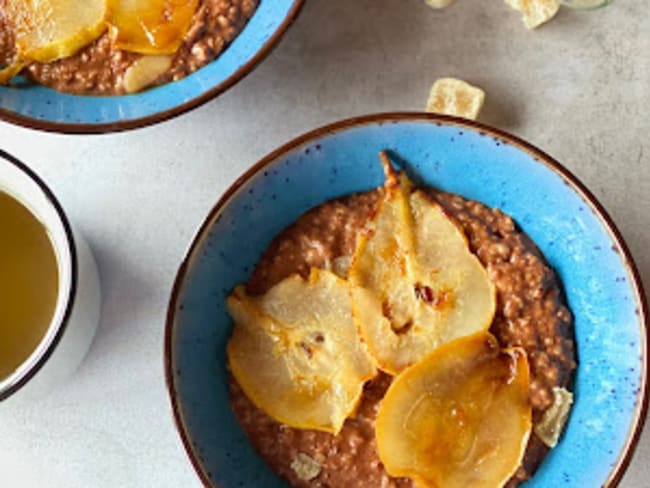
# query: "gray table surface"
579,88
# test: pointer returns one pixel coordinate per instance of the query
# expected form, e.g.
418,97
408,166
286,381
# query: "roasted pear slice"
48,30
295,351
460,417
415,285
150,26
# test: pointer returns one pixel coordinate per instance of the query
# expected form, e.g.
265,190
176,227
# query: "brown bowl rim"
162,116
632,438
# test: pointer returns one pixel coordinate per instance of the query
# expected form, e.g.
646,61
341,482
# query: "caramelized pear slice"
150,26
47,30
460,417
415,285
296,354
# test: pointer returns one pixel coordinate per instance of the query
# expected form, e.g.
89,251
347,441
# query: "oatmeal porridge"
530,313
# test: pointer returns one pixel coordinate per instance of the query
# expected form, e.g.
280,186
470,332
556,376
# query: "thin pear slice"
415,285
47,30
460,417
150,26
296,353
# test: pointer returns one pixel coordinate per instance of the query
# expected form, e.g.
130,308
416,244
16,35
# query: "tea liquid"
29,283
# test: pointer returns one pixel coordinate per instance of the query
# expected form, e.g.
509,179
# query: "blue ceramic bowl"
41,108
565,220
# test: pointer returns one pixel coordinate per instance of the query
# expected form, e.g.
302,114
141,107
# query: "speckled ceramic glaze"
42,108
566,222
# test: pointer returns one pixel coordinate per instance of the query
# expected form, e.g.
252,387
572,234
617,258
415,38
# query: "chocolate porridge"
100,67
530,313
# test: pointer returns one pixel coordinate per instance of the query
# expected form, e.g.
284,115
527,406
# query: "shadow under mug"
76,315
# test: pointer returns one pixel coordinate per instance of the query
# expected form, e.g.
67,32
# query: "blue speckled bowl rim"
245,69
568,178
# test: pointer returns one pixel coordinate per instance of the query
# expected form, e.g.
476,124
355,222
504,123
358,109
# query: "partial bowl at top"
42,108
570,227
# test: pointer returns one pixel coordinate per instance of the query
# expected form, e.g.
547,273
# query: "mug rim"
633,435
45,349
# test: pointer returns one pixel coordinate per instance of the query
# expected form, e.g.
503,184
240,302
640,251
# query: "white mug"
74,323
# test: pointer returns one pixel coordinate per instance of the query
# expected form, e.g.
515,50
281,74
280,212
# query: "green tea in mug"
29,286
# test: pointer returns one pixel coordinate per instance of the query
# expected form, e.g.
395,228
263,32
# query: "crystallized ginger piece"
551,425
306,467
535,12
450,96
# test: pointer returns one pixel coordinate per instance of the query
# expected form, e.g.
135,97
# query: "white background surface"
579,88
